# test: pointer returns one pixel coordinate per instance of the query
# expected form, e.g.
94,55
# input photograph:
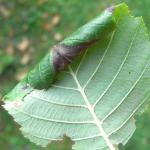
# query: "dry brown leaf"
55,20
23,45
4,11
58,36
45,15
40,2
25,58
21,73
47,26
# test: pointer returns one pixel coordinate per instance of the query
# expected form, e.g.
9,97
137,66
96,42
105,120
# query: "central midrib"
91,110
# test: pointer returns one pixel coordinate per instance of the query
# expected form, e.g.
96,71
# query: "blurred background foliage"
27,30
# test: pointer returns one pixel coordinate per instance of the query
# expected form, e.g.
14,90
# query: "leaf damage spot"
13,104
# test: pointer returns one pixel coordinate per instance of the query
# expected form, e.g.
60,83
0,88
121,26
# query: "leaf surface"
94,100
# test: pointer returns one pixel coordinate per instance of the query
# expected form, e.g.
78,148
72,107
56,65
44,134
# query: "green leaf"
94,100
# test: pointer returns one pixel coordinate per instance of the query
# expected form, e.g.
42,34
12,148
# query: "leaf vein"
120,68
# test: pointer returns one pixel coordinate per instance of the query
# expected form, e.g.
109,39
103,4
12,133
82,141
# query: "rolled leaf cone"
63,53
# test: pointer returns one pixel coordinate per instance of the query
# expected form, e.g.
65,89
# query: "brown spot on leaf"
110,9
63,54
16,103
